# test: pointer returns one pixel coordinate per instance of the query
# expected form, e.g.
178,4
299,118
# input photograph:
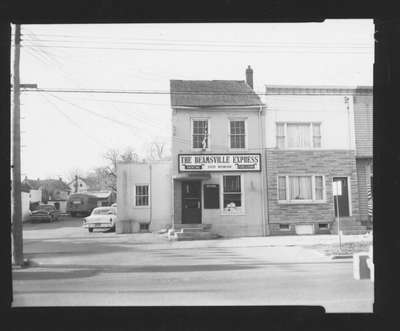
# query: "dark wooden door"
191,202
343,199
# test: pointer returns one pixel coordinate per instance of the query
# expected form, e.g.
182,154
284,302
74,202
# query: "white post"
338,218
337,190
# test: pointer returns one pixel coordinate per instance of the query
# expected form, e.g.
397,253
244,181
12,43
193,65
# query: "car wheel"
90,229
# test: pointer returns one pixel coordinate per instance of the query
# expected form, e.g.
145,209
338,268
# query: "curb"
341,257
25,264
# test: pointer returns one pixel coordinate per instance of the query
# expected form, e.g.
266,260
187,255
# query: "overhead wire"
104,117
97,141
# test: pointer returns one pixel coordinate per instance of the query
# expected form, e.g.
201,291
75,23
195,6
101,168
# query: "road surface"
72,267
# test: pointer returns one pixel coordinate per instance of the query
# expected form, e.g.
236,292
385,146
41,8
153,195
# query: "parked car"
44,213
101,218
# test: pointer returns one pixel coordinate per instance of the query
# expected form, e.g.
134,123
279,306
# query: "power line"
130,126
256,45
295,50
97,38
100,143
161,92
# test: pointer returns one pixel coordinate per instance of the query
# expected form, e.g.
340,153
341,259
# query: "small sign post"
337,190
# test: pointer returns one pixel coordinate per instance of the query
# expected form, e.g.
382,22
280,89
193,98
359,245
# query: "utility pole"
18,253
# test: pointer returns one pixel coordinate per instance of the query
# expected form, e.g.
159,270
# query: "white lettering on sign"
219,162
337,188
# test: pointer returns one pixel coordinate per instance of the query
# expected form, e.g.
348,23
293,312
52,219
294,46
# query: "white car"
101,218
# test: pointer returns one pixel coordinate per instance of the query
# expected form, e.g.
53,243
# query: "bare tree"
106,177
158,150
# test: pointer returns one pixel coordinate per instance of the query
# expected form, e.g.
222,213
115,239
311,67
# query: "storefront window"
232,193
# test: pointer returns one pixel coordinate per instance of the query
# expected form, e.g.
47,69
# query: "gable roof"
73,181
32,183
100,194
53,184
209,93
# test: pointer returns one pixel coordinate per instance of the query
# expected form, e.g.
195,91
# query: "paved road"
73,267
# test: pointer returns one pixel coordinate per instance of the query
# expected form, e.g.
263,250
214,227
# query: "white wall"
158,213
218,131
82,187
337,123
25,206
36,195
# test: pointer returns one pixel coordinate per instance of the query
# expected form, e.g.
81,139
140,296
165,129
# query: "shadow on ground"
81,271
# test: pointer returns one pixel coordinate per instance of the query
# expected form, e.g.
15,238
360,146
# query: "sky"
65,132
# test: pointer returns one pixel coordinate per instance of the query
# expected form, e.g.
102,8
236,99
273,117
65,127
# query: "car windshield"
46,208
103,211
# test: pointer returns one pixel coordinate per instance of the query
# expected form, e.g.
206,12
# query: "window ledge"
141,207
233,213
282,202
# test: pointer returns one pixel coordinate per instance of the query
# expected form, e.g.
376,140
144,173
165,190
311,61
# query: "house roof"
100,194
25,187
317,90
52,184
73,181
209,93
32,183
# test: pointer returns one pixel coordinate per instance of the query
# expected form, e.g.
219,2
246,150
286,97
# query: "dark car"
44,213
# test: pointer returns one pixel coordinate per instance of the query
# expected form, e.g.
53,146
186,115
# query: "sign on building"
337,188
219,162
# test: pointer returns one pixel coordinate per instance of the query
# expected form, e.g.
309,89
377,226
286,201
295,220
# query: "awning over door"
192,176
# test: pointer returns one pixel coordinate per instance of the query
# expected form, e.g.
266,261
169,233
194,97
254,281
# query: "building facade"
296,163
363,123
217,159
143,199
310,147
78,185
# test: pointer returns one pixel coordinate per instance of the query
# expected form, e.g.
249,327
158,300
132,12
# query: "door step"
178,227
185,232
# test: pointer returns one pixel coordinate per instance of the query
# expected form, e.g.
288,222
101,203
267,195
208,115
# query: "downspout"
151,196
172,204
263,164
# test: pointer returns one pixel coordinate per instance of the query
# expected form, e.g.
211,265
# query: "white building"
144,196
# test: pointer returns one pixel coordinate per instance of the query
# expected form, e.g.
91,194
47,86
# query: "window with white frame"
200,132
298,135
301,188
141,195
237,133
232,193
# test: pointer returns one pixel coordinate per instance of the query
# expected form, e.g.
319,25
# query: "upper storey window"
237,134
298,135
200,133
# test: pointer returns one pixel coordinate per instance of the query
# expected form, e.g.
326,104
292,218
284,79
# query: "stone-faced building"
363,123
217,156
310,146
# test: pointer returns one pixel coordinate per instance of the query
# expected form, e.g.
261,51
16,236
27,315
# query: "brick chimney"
249,76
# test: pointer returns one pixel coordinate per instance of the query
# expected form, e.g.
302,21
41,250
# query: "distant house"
49,191
34,190
78,185
25,189
55,192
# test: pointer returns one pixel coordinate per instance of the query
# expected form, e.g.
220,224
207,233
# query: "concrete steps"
205,227
191,232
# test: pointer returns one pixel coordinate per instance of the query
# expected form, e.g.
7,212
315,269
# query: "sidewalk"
274,241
